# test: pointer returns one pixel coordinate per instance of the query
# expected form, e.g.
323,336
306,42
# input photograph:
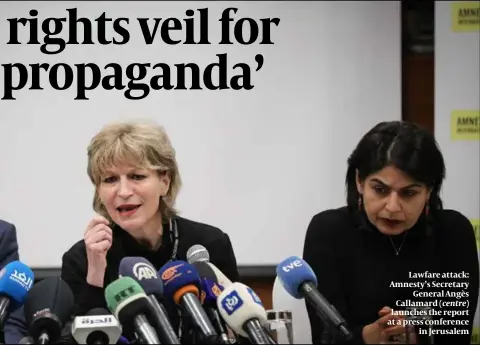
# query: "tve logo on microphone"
231,302
292,265
142,270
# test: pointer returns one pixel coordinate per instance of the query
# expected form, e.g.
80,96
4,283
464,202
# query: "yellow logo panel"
466,16
465,125
476,228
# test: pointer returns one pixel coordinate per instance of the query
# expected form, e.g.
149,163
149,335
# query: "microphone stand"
4,305
329,335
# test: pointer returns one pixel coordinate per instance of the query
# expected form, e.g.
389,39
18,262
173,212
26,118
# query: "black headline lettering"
112,77
217,75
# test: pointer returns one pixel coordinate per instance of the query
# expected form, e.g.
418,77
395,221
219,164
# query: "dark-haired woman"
394,247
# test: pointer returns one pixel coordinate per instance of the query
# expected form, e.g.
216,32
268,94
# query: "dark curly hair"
404,145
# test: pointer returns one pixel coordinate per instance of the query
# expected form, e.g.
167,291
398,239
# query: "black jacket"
359,272
87,297
8,253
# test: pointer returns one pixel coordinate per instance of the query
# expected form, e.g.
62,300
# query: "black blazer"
355,266
87,297
8,243
8,253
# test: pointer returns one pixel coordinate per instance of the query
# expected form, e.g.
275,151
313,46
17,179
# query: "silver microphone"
198,253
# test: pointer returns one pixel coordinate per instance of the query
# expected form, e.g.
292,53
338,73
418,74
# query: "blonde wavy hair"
142,144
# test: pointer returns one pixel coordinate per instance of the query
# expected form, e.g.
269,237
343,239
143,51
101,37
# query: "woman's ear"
359,183
429,192
165,179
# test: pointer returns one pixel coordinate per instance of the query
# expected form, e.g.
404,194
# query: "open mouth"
126,210
391,222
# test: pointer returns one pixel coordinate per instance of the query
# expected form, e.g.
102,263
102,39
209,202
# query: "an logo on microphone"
292,265
22,279
231,302
142,270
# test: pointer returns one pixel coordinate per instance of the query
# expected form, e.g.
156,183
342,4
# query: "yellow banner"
466,16
465,125
476,228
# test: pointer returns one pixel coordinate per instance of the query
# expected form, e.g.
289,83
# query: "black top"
355,265
87,297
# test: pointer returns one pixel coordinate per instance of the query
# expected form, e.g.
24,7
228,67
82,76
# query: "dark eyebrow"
413,185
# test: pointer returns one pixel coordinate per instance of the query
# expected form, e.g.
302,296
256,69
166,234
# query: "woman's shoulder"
454,223
335,222
76,251
198,231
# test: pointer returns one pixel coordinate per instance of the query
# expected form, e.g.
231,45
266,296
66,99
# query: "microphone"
47,308
181,282
243,311
98,327
27,340
143,272
210,290
123,340
198,253
16,279
129,304
299,280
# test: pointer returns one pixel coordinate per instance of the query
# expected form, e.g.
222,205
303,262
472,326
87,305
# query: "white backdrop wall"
258,164
457,108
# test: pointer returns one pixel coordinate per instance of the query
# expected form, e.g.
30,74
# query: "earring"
427,210
360,202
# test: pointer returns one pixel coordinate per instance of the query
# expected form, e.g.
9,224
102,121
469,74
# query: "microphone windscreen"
294,271
125,299
49,296
210,289
178,274
97,311
221,278
27,340
144,273
237,304
197,253
122,340
16,279
205,271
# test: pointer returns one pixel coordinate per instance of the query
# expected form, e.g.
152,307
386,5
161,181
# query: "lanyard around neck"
174,238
